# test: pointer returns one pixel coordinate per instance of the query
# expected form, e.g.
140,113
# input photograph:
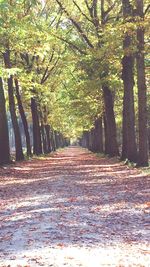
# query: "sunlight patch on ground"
25,181
70,256
23,168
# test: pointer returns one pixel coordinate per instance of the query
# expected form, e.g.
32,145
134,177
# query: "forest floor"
73,209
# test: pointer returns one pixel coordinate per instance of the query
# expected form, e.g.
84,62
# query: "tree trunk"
142,92
98,136
4,137
37,142
90,136
148,130
110,123
129,149
23,117
18,144
53,140
44,141
87,139
62,140
106,136
43,133
57,141
47,130
111,146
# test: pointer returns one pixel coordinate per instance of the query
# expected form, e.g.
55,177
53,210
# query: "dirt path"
74,209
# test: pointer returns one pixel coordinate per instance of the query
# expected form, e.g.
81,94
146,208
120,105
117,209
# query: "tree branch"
77,26
83,14
71,45
104,13
147,9
110,8
48,72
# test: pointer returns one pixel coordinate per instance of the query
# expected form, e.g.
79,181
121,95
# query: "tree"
129,149
18,143
37,142
23,117
142,92
71,68
4,137
95,19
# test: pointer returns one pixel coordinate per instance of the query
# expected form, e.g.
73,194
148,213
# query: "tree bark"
90,140
106,136
57,139
110,123
142,92
23,117
53,140
37,142
4,136
148,130
83,140
86,139
129,149
98,136
18,143
44,141
43,133
47,130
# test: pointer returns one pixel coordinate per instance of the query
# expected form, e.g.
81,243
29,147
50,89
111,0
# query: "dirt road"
74,209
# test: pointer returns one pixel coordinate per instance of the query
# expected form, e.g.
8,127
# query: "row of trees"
45,138
20,67
73,69
128,17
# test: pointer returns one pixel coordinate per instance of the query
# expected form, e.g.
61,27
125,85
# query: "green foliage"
64,65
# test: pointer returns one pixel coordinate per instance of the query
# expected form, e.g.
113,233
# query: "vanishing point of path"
74,209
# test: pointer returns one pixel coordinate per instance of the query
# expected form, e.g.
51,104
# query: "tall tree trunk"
87,139
44,141
91,139
148,130
18,143
61,140
57,141
23,117
53,140
47,130
142,92
98,136
4,137
129,149
110,122
106,136
43,133
37,142
84,140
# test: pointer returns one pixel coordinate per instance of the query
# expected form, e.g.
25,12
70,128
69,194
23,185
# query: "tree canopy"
68,56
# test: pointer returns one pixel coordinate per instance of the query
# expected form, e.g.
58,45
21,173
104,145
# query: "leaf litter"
74,209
